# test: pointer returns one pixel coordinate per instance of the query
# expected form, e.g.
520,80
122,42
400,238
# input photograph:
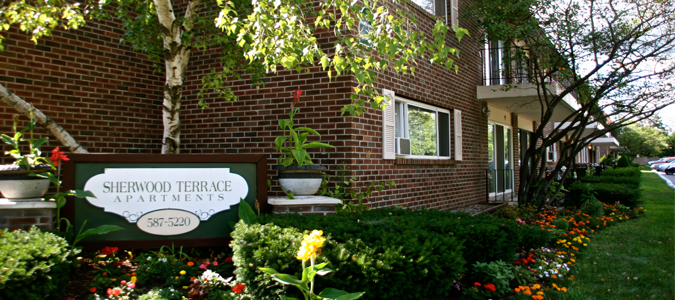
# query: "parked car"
655,166
663,167
669,170
661,160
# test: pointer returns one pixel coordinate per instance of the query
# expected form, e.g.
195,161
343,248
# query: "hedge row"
620,184
382,252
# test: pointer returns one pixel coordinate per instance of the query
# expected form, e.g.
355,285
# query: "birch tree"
614,56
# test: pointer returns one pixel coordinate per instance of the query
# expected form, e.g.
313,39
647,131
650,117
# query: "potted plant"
16,181
297,174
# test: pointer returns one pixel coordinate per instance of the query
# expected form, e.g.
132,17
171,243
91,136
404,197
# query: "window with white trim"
551,153
435,7
421,130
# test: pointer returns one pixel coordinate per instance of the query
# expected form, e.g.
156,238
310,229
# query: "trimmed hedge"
33,264
381,252
620,184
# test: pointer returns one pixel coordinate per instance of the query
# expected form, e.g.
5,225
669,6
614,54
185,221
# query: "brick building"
109,98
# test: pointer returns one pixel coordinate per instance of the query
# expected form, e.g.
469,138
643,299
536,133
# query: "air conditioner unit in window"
403,146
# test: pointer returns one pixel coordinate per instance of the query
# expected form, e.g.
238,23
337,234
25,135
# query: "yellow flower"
536,286
182,272
564,289
185,287
310,245
133,279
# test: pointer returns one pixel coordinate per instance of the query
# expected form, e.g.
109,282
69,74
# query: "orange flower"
538,297
190,264
58,156
92,290
477,284
490,287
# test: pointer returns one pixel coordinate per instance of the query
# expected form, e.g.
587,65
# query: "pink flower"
132,285
215,264
203,266
123,282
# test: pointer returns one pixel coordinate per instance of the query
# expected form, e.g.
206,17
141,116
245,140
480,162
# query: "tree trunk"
54,128
176,57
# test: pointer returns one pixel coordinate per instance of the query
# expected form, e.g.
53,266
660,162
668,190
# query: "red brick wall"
107,96
249,125
102,92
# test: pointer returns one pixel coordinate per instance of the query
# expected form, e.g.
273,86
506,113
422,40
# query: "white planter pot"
24,188
301,181
301,186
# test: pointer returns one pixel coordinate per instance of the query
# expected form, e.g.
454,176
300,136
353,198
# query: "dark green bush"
627,172
623,162
534,237
627,180
580,192
419,252
611,193
33,264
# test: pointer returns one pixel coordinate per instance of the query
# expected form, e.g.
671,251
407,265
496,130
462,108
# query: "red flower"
108,250
58,156
296,96
113,292
238,288
92,290
490,287
477,284
228,259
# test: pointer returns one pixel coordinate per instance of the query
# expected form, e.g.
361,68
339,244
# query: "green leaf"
322,272
331,293
269,271
299,155
287,279
317,145
81,194
246,214
103,229
310,130
8,140
350,296
287,298
39,142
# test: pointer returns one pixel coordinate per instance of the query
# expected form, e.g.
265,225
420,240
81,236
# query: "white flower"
150,258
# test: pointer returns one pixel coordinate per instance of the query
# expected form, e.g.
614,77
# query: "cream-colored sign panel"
134,192
168,222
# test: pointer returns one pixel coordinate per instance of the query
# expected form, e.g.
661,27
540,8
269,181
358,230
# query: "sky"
668,115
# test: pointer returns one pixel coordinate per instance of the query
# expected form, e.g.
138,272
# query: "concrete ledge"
35,203
305,205
303,200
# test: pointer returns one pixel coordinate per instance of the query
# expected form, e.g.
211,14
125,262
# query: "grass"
635,259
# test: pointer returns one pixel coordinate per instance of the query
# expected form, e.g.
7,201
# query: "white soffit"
523,99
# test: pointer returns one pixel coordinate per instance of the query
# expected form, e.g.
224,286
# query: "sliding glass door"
500,164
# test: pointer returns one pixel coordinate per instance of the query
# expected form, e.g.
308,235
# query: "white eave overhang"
605,141
523,100
588,130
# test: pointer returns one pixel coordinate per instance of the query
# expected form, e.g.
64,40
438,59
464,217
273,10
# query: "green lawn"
635,259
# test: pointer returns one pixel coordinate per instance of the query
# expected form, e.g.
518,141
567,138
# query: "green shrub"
499,273
534,237
627,172
523,212
33,264
419,252
593,208
561,223
579,193
611,193
623,162
627,180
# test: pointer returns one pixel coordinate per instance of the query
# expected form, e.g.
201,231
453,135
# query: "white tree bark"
176,56
54,128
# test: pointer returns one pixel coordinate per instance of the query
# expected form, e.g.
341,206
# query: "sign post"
171,199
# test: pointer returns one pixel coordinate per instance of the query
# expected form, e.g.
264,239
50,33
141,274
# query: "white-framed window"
434,7
551,153
421,130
